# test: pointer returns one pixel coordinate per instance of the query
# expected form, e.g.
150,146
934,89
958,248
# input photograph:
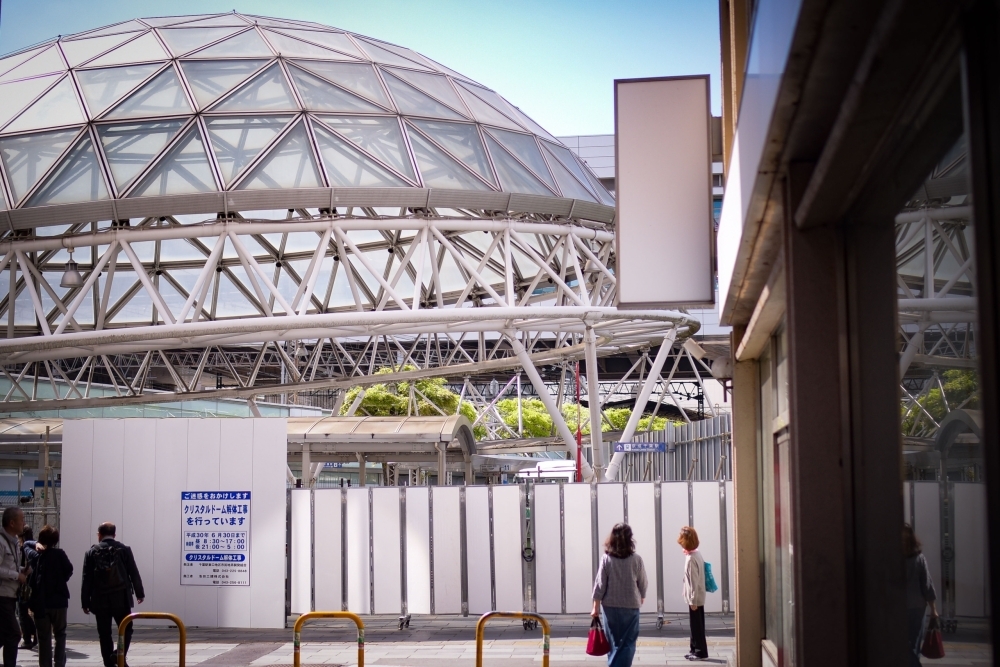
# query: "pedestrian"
110,577
13,573
28,632
50,596
920,592
619,591
694,592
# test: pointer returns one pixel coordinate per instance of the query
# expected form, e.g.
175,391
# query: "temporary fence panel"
642,519
235,603
358,552
579,547
447,551
302,526
610,509
478,549
970,548
204,455
507,545
674,515
927,525
386,550
705,497
328,508
418,550
730,547
548,549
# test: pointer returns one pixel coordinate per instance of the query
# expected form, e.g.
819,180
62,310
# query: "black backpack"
109,569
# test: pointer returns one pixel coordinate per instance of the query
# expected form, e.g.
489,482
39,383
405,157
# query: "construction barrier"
524,615
309,616
161,615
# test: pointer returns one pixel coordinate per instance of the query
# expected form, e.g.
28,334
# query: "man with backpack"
110,577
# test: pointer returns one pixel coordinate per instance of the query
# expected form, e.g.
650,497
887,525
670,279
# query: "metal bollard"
310,615
151,614
481,627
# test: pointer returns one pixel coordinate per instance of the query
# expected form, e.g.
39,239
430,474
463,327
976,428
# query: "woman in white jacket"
694,592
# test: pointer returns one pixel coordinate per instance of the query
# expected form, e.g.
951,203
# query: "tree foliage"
961,390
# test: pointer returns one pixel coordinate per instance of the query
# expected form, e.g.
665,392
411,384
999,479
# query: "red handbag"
597,641
933,646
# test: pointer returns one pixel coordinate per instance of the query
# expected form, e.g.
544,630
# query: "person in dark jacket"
920,592
50,596
110,577
28,632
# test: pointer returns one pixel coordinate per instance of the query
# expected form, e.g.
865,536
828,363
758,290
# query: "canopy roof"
118,122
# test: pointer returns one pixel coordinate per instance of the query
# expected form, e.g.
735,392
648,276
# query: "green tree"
961,389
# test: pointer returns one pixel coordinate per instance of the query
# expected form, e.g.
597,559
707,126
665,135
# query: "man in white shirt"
12,575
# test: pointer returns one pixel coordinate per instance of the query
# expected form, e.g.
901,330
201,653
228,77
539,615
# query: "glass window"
513,176
18,94
383,55
237,141
290,164
440,170
379,136
78,51
184,170
129,148
247,44
184,40
161,96
486,114
434,85
59,106
358,78
566,158
333,40
462,141
211,79
294,48
523,146
27,158
139,50
348,168
77,178
103,87
409,100
267,92
46,62
318,95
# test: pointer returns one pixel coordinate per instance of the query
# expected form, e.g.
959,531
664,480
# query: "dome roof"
160,116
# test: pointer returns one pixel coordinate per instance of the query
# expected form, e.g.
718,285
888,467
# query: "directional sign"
632,447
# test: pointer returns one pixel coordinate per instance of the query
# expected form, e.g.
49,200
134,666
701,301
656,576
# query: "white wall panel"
579,548
906,503
970,549
674,503
707,522
610,510
301,551
108,471
204,442
418,550
136,529
77,529
548,555
507,547
328,575
170,481
477,532
731,542
236,438
927,525
267,554
358,550
447,526
642,519
386,550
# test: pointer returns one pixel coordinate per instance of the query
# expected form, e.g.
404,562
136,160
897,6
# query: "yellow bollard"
310,615
481,628
151,614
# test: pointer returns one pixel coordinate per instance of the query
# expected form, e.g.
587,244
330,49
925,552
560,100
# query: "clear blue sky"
556,59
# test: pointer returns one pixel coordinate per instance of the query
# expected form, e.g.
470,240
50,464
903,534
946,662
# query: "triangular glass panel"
531,125
382,55
434,85
290,164
224,21
333,40
266,92
295,48
513,176
77,178
318,95
182,171
184,40
601,191
359,78
381,137
161,96
160,21
211,79
567,159
491,98
409,100
247,44
18,94
237,141
140,50
129,148
569,185
78,51
10,62
280,23
438,169
462,141
486,114
59,106
525,149
27,158
127,26
103,87
46,62
348,168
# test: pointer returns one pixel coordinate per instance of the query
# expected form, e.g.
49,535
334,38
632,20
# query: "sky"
555,59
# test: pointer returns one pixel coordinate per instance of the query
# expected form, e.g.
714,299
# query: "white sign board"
664,236
215,538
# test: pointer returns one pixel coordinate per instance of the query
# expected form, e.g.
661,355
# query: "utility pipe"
594,400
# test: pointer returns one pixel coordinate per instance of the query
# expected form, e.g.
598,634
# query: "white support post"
594,400
306,466
640,401
550,405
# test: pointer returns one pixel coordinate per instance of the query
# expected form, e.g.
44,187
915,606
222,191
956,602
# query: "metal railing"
481,628
309,616
157,615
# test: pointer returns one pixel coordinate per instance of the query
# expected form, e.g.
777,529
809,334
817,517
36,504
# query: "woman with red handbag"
919,594
619,591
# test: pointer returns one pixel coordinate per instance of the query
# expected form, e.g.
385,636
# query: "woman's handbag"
933,646
597,641
710,585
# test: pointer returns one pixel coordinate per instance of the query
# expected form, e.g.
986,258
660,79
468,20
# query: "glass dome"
162,116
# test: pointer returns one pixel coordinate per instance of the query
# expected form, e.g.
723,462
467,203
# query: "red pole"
579,434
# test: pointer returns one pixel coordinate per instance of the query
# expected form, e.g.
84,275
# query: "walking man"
13,573
110,577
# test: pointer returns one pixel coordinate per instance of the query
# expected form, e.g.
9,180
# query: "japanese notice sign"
628,447
215,538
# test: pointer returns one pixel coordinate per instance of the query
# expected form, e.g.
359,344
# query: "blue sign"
215,538
633,447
